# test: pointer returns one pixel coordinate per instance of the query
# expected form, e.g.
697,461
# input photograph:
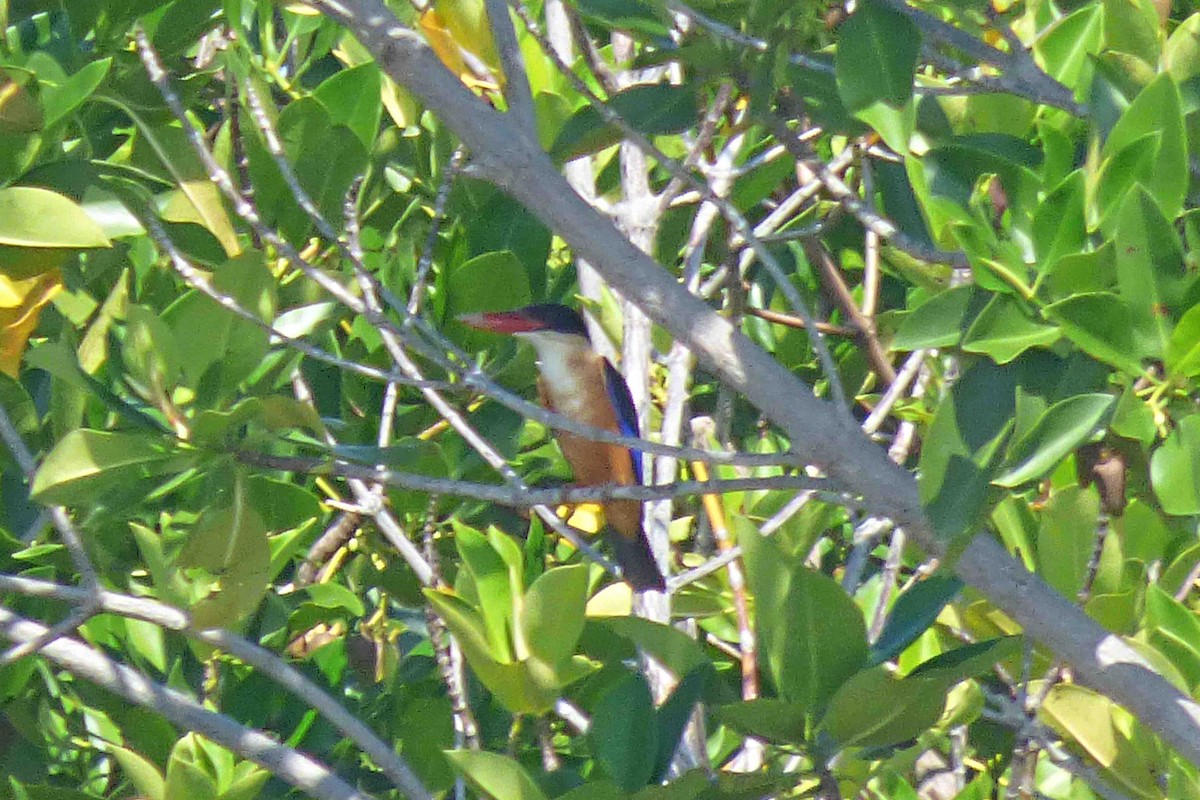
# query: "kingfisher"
579,383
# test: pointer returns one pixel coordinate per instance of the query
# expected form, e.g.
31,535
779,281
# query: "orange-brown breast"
592,462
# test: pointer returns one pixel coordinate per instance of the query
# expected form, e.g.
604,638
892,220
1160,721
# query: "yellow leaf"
17,320
466,49
587,517
614,600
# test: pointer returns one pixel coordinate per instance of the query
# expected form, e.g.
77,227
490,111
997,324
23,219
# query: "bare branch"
290,765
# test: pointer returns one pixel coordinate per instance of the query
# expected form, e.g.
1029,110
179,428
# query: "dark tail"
638,566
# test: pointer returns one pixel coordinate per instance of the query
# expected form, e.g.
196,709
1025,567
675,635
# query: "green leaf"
493,587
186,777
1059,226
1183,351
553,614
1097,724
352,98
1063,427
86,463
673,716
1102,325
230,543
495,775
150,352
1157,110
141,772
876,55
915,610
1150,271
938,322
634,16
1131,26
1005,329
595,790
335,596
490,282
1167,616
671,647
464,622
961,447
1175,469
811,632
60,100
873,709
33,217
777,721
1068,44
654,110
1067,537
503,224
1181,55
969,661
624,735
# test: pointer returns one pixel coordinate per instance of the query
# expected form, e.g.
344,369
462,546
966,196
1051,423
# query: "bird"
579,383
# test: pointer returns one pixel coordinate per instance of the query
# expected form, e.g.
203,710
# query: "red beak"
502,322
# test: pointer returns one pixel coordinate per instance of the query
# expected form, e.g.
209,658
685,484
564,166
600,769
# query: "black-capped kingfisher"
579,383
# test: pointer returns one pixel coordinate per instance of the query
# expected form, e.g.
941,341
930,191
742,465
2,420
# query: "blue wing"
622,401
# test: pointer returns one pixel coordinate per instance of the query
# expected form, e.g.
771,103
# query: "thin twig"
521,496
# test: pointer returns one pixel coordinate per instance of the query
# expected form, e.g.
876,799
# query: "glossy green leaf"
141,772
1181,54
877,53
873,709
34,217
938,322
493,587
1157,110
85,463
1183,351
1067,537
1067,45
186,777
673,716
1150,270
653,110
1065,426
64,98
635,16
624,736
490,282
776,721
552,616
1166,616
1175,469
352,98
496,775
811,632
1059,227
915,610
1097,724
671,647
229,541
150,351
1102,325
1080,273
962,444
1005,329
1132,27
968,661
